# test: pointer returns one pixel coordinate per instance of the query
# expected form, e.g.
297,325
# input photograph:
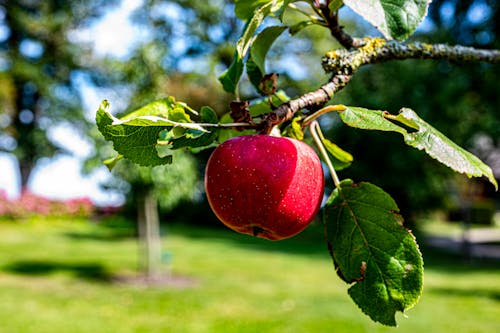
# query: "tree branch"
312,101
337,31
343,64
379,50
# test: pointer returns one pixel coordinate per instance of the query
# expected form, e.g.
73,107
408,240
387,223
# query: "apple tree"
372,250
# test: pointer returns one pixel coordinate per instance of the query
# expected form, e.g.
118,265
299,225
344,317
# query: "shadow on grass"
107,229
99,236
87,271
310,242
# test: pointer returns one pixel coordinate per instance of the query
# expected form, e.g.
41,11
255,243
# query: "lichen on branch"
342,64
378,50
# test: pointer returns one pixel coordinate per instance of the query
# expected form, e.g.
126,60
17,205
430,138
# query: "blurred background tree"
39,63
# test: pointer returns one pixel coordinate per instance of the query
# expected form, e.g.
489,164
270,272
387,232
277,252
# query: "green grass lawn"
58,276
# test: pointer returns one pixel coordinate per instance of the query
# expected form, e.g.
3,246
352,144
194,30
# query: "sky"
61,178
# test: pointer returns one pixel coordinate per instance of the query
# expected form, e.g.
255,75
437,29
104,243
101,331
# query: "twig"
337,31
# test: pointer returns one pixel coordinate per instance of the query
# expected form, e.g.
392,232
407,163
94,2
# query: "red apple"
265,186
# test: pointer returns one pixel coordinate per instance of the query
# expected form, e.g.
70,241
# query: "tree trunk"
149,234
25,169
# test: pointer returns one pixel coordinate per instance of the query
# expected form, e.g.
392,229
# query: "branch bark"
344,63
379,50
337,31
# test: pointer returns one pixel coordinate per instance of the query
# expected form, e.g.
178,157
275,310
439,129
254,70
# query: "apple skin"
265,186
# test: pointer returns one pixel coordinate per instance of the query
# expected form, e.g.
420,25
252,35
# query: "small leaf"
111,162
294,130
396,19
208,115
161,108
340,158
262,43
368,119
262,106
335,5
205,140
420,135
372,251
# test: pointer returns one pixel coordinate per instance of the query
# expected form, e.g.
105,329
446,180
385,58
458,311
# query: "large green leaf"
137,143
419,134
254,12
256,68
372,250
231,76
146,136
396,19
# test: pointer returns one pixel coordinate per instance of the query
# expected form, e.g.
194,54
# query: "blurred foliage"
462,101
171,184
38,66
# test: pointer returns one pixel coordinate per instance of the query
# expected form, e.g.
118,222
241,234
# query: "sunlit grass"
57,276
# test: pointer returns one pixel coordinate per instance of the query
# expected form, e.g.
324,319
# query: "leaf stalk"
318,139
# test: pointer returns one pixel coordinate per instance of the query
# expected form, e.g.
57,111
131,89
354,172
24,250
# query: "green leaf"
110,163
294,130
204,140
262,106
166,107
244,9
368,119
396,19
340,158
419,134
231,76
146,135
208,115
372,250
137,143
256,68
335,5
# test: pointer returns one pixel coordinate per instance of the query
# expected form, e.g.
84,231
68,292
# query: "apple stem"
318,139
